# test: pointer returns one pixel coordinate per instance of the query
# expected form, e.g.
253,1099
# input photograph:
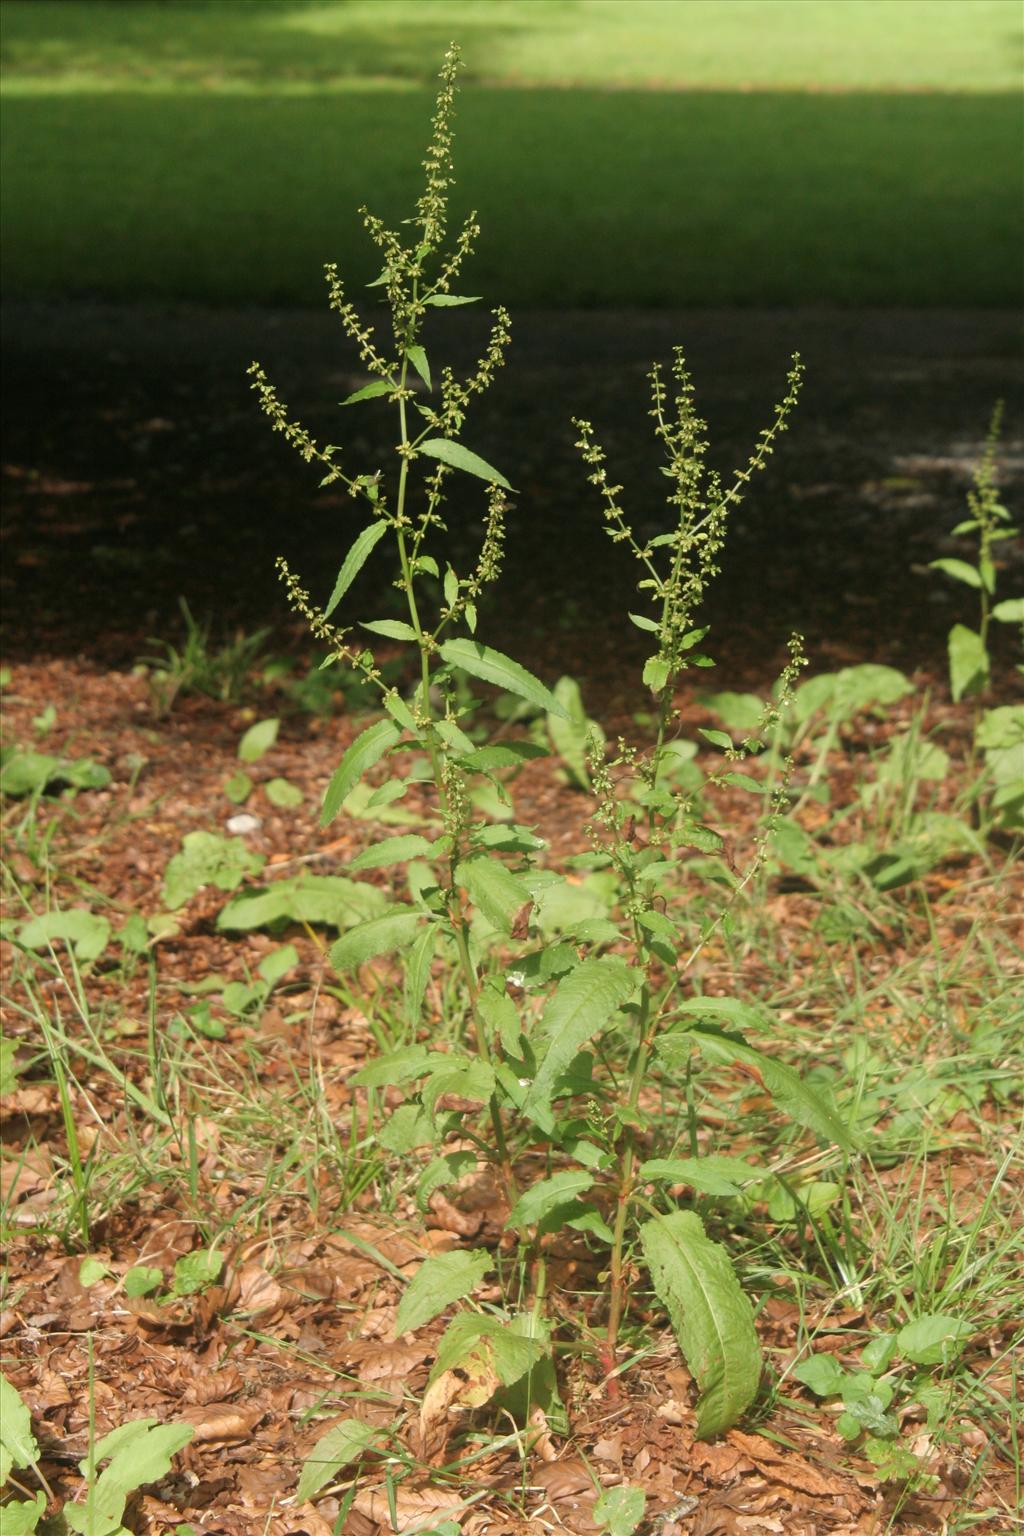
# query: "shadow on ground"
138,470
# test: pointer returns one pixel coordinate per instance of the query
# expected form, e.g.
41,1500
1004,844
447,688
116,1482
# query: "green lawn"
831,151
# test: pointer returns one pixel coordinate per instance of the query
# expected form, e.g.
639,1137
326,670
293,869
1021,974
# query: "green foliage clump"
540,1004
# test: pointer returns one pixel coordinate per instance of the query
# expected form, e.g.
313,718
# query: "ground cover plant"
770,122
263,1170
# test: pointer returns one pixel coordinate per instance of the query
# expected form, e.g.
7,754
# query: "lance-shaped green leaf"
391,629
792,1095
453,453
1010,611
368,748
356,559
440,1280
710,1316
493,667
726,1010
392,850
493,889
959,570
417,973
341,1445
418,357
369,392
710,1175
547,1195
449,300
392,930
583,1003
500,1014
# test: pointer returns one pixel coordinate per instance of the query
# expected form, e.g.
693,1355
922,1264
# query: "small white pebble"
239,825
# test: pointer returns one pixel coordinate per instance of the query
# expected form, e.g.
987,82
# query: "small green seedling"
208,859
866,1397
200,667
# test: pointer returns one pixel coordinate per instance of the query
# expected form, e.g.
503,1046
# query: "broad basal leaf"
329,899
710,1316
22,1518
450,452
258,739
583,1003
357,556
368,748
341,1445
440,1280
397,1067
620,1510
574,737
392,930
493,667
467,1077
934,1339
208,859
847,692
85,931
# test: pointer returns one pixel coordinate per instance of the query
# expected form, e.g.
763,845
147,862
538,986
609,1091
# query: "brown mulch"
136,471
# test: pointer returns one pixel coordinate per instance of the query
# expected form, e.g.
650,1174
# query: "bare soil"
137,470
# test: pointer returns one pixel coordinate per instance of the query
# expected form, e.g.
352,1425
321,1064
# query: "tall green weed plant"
988,525
999,731
565,1017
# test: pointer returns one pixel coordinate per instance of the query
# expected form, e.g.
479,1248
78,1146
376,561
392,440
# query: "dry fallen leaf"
26,1172
786,1466
215,1386
224,1423
448,1216
259,1294
417,1508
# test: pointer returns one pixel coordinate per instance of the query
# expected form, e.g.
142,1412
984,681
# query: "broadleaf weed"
560,1017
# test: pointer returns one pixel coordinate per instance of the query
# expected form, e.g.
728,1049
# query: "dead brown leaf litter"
299,1328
